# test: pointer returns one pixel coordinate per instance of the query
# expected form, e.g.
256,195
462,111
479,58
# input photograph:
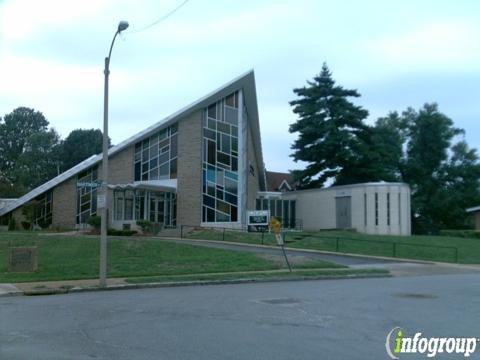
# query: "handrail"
337,239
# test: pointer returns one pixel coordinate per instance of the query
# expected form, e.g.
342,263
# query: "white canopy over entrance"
167,185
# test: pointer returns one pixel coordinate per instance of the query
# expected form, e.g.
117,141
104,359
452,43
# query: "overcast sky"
396,53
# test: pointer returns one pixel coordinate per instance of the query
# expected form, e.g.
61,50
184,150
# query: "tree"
80,145
430,134
461,187
15,129
39,161
328,126
28,151
9,190
419,148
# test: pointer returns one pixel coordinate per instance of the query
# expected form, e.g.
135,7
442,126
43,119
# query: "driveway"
339,259
396,267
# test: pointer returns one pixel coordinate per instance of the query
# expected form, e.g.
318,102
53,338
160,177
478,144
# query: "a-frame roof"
246,82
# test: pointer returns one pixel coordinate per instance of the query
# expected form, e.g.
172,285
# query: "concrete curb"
222,282
153,285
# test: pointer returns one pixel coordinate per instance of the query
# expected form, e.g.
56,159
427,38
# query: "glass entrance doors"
157,209
162,208
156,206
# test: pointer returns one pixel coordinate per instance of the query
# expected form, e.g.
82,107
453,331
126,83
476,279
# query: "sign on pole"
92,184
101,201
258,217
276,227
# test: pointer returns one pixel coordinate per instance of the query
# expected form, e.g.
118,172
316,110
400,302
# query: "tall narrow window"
388,209
293,214
86,195
376,209
399,212
128,213
365,209
220,162
43,216
118,196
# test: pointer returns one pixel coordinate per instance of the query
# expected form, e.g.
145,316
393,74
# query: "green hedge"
475,234
115,232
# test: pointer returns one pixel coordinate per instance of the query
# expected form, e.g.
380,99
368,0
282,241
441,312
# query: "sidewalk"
75,286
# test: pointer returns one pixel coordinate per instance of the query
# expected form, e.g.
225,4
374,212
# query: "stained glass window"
156,156
86,195
220,160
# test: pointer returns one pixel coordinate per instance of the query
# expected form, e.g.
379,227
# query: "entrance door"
343,207
157,209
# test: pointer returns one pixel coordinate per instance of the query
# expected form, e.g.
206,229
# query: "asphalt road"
340,319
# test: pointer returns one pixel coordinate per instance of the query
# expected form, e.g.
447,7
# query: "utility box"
23,259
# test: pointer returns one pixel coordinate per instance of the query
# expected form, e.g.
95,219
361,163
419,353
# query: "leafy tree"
39,161
443,174
328,126
79,145
9,190
461,187
15,129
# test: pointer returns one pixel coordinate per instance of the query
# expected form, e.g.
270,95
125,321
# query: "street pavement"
334,319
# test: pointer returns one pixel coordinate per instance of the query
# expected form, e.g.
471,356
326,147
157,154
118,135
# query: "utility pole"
102,199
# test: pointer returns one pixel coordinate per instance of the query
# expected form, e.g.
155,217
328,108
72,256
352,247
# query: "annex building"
202,165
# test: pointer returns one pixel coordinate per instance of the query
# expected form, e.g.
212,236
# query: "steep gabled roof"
276,179
245,82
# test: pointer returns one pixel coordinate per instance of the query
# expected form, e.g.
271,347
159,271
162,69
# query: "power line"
159,20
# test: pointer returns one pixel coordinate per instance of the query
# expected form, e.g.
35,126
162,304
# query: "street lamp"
102,200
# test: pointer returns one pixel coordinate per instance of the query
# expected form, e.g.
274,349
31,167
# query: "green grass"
281,275
77,257
409,247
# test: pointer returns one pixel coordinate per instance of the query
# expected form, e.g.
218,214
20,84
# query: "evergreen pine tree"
328,126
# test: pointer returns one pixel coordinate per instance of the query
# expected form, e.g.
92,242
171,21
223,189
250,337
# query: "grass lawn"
77,257
410,247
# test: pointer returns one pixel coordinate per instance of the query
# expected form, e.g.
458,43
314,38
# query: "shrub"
95,222
43,224
115,232
475,234
26,225
11,224
30,211
145,225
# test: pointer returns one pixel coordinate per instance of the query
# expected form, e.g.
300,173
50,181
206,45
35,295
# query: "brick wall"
64,204
120,171
253,185
189,187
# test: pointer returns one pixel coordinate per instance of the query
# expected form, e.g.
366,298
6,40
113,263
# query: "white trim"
349,186
269,194
473,209
243,169
169,185
286,183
